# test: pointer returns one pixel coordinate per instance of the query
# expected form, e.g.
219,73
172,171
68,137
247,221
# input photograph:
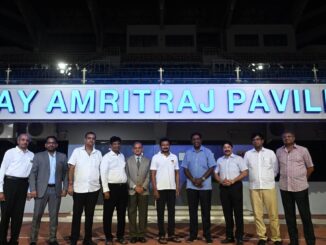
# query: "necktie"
138,162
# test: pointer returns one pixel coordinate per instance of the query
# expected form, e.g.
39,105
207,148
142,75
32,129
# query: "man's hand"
156,194
106,195
70,190
198,182
33,194
64,193
28,196
139,189
177,192
2,197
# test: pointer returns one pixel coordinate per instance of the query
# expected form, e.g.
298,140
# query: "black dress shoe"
142,239
72,242
191,239
53,243
261,242
278,243
32,243
89,242
174,239
121,241
209,240
133,240
228,240
239,241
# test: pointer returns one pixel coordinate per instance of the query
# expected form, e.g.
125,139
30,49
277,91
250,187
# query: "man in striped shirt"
295,168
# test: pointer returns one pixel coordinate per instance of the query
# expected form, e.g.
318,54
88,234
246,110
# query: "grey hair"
23,134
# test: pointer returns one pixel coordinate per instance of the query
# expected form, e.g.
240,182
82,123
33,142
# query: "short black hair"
51,137
115,139
288,131
195,133
90,132
165,139
228,143
260,135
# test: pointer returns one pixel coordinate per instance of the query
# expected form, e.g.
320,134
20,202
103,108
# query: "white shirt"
230,167
263,167
113,170
165,167
87,169
16,163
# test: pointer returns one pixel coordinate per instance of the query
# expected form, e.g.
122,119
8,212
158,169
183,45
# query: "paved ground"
181,230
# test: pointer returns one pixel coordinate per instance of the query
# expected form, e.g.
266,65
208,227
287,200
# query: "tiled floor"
181,230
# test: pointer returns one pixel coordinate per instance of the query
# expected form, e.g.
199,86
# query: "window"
275,40
246,40
179,40
143,41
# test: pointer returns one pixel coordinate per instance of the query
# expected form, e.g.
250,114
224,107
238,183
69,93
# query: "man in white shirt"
84,186
115,190
263,167
14,173
165,181
229,172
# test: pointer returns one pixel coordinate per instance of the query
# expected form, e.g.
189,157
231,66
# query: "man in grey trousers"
138,173
48,182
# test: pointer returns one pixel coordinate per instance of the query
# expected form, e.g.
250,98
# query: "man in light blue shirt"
229,172
199,164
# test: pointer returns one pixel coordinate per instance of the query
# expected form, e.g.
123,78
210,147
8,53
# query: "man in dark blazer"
138,174
48,182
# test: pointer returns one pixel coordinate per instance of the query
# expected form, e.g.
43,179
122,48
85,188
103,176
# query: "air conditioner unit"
41,130
6,130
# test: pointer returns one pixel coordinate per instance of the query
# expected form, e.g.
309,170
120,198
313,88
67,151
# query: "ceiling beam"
311,34
313,13
32,21
96,17
227,20
297,11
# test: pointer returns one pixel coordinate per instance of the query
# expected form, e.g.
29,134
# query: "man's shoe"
121,241
162,240
228,240
32,243
142,239
191,239
72,242
174,239
261,242
278,243
89,242
108,242
209,240
53,243
239,241
133,240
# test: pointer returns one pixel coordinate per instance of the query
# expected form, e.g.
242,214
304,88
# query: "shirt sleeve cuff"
106,189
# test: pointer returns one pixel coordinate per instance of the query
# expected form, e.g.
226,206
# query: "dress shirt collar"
53,155
200,149
262,149
93,151
138,157
231,156
20,150
294,147
163,155
112,153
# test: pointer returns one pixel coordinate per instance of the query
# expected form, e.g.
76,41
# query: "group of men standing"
125,184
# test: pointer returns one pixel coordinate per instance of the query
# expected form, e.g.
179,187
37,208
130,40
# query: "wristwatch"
203,178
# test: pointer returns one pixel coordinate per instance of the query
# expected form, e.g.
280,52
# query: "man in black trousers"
14,173
115,190
229,172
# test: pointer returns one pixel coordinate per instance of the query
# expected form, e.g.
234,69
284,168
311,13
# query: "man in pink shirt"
295,168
